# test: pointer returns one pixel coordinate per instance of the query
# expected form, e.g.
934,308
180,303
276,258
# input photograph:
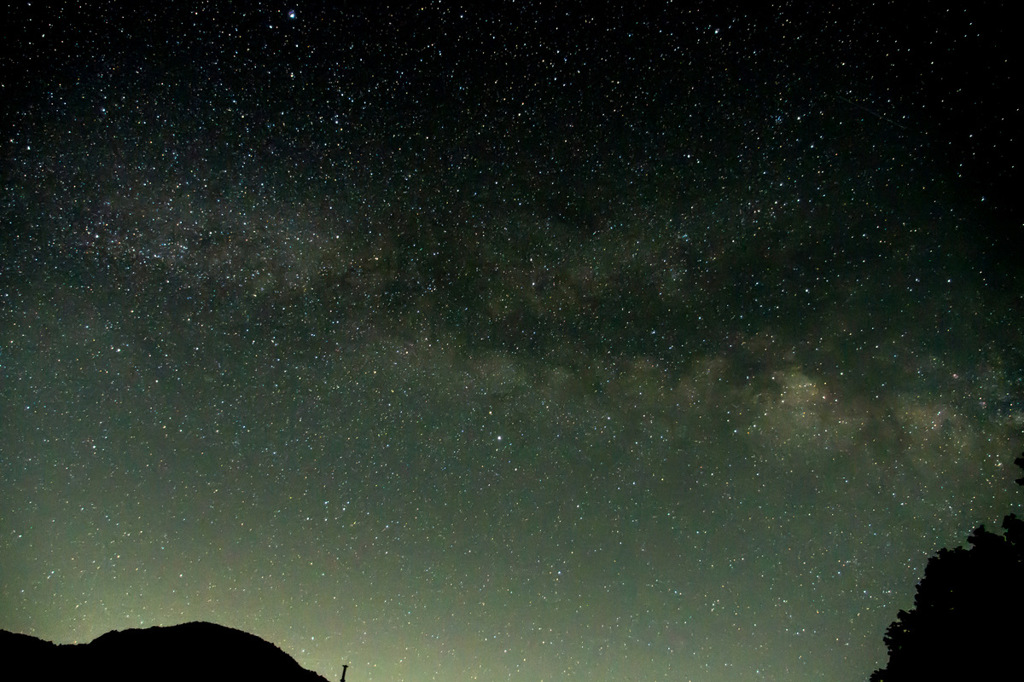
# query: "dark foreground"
192,651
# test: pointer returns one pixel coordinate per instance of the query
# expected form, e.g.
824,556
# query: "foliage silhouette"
967,613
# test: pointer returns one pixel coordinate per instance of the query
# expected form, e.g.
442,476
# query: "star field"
527,342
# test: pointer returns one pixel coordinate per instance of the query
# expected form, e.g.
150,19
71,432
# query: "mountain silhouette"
196,652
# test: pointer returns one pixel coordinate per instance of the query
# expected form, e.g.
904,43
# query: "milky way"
533,344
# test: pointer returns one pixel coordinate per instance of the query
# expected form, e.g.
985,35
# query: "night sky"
544,341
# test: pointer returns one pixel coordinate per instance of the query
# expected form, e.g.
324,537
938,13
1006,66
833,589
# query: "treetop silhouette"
967,613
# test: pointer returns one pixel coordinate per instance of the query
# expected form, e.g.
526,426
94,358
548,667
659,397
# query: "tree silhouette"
968,612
